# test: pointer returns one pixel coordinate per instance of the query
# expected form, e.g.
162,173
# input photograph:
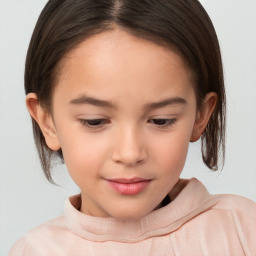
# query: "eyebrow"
166,102
102,103
92,101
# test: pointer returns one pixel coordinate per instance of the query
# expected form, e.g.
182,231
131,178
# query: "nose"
129,148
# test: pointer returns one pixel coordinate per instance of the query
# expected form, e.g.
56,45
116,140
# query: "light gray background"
26,198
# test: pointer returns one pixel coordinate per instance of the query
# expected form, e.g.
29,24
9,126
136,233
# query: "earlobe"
44,120
203,115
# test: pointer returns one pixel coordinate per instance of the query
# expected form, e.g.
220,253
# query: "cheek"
171,151
172,154
83,153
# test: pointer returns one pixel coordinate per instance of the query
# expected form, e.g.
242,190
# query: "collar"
189,198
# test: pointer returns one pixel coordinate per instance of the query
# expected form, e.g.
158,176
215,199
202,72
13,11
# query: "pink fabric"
194,223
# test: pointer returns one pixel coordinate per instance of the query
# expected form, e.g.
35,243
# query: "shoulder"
241,209
195,191
37,240
237,215
21,247
235,203
228,218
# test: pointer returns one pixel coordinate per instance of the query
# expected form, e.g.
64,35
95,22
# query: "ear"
203,115
44,120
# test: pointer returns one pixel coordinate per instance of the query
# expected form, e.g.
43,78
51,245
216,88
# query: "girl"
117,90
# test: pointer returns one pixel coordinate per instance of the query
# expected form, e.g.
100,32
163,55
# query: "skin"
134,137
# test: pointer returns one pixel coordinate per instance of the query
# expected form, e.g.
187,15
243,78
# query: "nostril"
129,148
129,157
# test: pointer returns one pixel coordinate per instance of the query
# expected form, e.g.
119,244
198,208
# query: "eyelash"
162,122
94,123
99,123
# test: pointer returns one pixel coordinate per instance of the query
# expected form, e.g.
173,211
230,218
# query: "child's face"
124,111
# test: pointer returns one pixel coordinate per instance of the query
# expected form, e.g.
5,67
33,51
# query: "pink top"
194,223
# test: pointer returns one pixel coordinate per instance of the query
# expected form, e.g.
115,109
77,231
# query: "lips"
128,186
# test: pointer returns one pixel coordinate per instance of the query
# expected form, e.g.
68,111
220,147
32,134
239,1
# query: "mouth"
129,186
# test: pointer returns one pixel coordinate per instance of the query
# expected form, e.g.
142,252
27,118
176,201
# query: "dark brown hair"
182,25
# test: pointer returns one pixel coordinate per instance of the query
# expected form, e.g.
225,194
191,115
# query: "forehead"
119,63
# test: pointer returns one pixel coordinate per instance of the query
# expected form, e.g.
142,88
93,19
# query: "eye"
94,123
161,122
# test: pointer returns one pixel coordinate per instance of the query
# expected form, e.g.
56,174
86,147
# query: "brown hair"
182,25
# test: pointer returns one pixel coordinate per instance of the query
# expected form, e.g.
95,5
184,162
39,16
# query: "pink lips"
129,186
